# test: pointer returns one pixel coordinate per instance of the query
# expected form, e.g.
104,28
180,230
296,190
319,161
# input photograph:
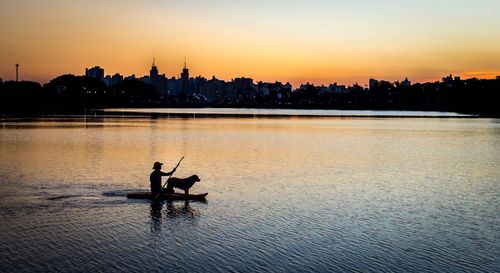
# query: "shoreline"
211,112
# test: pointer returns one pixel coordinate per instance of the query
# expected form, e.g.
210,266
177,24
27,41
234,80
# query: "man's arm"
167,174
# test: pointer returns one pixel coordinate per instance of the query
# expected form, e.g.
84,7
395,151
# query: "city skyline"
293,41
99,72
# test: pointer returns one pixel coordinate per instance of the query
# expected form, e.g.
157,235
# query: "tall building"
153,73
185,80
95,72
159,82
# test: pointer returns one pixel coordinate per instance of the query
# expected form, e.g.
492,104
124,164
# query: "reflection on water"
173,211
156,216
285,195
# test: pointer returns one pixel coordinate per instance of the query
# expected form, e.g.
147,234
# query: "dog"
182,183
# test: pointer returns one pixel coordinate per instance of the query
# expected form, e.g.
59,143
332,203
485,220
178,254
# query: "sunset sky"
319,41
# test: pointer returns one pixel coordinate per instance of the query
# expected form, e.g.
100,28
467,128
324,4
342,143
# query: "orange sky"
295,40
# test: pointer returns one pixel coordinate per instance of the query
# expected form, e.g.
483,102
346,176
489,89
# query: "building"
130,78
373,83
214,89
173,87
185,81
153,72
107,81
95,72
159,82
337,89
197,84
288,87
242,87
406,83
116,79
448,79
306,86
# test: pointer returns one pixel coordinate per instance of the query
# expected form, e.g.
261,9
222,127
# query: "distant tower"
185,79
153,73
17,72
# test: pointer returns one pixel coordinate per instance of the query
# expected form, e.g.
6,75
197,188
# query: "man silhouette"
155,178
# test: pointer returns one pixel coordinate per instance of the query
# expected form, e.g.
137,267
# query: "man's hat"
157,165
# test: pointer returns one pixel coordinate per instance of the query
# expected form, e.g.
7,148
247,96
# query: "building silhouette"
153,72
185,81
116,79
372,84
406,83
95,72
157,80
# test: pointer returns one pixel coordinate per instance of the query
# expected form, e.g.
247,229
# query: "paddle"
162,188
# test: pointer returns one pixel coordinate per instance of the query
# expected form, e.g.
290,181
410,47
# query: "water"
352,194
283,112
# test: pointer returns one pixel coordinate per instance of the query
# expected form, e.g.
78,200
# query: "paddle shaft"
158,194
172,173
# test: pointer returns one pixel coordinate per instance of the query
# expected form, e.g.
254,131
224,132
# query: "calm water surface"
285,195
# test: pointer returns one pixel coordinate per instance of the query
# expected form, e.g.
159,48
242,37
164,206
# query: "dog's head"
196,178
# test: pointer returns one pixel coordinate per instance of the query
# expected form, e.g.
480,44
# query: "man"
155,178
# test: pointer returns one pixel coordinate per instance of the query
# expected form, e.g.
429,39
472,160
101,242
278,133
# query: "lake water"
252,112
329,194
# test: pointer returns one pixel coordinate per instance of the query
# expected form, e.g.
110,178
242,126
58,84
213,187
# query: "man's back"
155,179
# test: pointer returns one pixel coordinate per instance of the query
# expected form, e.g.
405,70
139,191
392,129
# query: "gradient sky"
321,41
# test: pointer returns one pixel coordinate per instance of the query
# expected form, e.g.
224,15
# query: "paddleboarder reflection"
173,210
181,211
156,216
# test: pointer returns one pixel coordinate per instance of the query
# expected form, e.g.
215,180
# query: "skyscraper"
159,82
185,80
153,73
